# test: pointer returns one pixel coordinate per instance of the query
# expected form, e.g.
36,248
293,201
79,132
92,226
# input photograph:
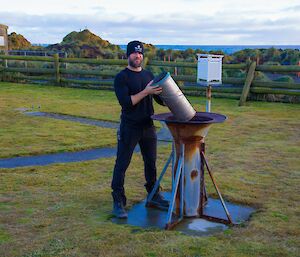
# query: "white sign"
2,41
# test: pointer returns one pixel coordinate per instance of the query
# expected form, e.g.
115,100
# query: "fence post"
247,84
56,68
4,62
3,65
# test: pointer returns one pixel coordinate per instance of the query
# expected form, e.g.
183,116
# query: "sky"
168,22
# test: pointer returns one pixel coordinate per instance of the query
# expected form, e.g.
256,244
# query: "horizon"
226,49
124,44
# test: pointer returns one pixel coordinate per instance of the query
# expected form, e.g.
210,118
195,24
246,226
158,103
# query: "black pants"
128,138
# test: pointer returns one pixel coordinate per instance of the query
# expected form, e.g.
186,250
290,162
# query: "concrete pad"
144,217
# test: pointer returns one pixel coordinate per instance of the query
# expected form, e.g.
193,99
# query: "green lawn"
24,135
64,209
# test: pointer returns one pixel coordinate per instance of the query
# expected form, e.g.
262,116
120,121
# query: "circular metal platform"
199,118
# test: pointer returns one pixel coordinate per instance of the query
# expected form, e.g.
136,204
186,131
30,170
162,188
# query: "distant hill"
17,42
82,44
87,44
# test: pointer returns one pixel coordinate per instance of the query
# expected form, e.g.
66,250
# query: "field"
64,209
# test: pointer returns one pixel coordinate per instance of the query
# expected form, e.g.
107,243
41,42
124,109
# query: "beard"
135,63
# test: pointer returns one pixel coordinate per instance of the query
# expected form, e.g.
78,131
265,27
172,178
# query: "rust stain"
191,149
188,132
194,174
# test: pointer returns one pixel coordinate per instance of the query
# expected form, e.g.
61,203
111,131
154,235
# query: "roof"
3,26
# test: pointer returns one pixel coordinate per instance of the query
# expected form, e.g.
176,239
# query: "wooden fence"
240,88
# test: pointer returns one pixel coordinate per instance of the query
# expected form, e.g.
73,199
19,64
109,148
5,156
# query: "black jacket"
127,83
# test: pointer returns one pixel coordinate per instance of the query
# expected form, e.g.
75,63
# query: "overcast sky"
188,22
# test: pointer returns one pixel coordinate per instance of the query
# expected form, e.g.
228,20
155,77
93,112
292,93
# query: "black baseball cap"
134,46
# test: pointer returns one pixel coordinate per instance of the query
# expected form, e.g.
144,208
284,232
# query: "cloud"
294,8
170,28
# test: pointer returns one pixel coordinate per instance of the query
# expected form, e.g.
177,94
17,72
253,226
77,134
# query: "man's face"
135,59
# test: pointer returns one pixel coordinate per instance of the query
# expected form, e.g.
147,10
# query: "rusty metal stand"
178,188
177,197
203,193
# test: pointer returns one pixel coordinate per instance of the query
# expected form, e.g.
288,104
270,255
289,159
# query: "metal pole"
25,62
201,183
217,189
208,96
173,162
182,184
174,191
160,178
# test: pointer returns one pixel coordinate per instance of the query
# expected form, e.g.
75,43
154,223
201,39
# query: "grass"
24,135
64,209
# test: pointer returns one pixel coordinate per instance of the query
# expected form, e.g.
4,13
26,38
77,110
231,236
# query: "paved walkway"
79,156
99,123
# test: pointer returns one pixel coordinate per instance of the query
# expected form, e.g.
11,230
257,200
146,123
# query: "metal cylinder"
191,136
173,97
191,174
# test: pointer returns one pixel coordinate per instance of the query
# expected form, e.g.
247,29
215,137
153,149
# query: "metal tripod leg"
157,183
229,221
179,175
202,186
203,192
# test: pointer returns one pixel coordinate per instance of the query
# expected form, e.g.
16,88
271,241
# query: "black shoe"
159,201
119,211
119,197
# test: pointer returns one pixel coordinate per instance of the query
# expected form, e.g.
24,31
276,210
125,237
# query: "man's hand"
149,90
152,90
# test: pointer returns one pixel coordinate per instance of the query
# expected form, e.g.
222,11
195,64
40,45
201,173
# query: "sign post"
209,72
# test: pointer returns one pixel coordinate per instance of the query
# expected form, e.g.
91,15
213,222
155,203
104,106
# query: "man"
134,92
